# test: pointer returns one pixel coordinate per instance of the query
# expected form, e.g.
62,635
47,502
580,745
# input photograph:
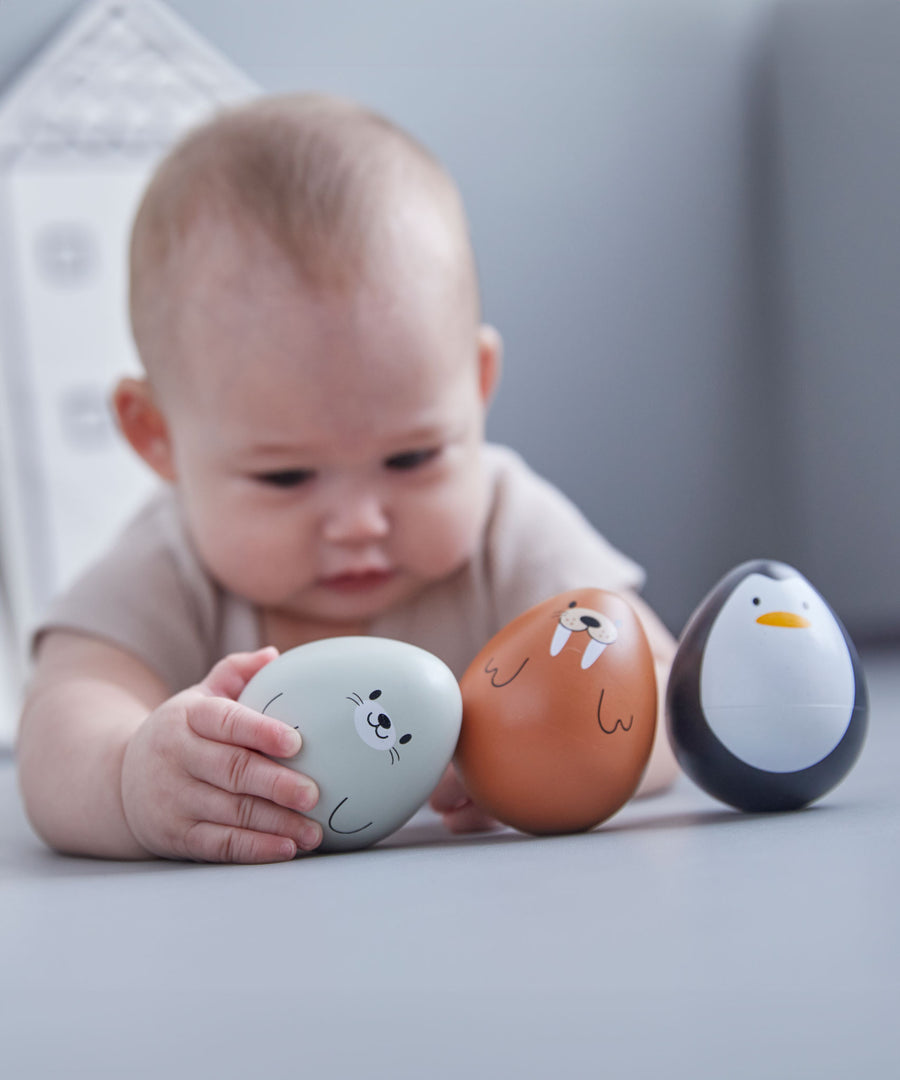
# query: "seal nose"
590,621
384,721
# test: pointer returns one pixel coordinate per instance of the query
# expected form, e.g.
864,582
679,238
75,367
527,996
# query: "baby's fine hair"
314,174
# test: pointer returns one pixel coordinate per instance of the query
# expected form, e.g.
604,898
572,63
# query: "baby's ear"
490,361
144,426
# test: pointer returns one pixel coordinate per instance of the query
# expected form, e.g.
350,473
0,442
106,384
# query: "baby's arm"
111,766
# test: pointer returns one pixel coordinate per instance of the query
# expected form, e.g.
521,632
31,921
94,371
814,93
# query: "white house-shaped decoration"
80,132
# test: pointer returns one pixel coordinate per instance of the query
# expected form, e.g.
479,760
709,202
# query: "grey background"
687,225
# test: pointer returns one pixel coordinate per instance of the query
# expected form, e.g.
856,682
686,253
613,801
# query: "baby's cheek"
442,531
256,563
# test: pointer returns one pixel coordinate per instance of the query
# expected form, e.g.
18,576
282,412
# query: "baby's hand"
451,800
196,783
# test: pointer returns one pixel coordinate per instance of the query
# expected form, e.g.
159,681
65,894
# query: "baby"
305,305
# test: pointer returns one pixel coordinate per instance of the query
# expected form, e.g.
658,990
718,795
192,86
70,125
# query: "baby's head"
305,304
339,193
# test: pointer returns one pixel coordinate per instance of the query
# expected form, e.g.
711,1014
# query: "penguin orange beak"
783,618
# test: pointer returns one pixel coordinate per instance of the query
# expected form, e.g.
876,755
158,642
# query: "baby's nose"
360,519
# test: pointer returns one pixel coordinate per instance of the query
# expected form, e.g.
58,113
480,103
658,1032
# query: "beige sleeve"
149,596
539,544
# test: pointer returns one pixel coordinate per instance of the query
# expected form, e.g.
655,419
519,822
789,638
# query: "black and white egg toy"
766,705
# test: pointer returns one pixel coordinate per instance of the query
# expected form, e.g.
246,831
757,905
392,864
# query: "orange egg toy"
559,714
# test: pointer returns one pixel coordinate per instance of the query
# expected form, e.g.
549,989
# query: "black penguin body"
766,704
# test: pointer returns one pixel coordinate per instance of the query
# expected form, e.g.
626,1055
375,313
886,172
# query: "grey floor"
679,940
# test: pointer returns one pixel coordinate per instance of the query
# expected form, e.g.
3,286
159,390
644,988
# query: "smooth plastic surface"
379,721
766,703
559,714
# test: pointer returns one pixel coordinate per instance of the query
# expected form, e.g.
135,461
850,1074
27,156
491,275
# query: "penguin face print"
776,680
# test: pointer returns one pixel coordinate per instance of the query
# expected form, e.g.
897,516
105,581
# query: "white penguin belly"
780,699
779,738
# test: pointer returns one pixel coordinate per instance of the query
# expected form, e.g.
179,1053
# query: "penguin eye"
756,600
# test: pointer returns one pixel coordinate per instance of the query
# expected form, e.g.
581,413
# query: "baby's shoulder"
519,494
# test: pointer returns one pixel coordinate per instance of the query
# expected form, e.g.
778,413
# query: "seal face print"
375,727
379,721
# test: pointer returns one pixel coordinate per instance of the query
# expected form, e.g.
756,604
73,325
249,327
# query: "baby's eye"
286,478
412,459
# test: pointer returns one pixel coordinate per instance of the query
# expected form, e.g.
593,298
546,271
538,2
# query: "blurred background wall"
688,229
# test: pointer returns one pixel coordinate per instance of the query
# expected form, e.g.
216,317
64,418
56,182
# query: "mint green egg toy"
379,721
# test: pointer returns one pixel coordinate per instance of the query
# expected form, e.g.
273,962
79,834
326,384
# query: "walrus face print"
379,720
599,628
559,714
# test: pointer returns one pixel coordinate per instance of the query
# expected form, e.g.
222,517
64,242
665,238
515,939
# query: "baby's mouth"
357,581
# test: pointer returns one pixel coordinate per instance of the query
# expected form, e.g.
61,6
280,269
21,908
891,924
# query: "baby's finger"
242,772
449,794
229,722
206,841
469,818
250,814
229,677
